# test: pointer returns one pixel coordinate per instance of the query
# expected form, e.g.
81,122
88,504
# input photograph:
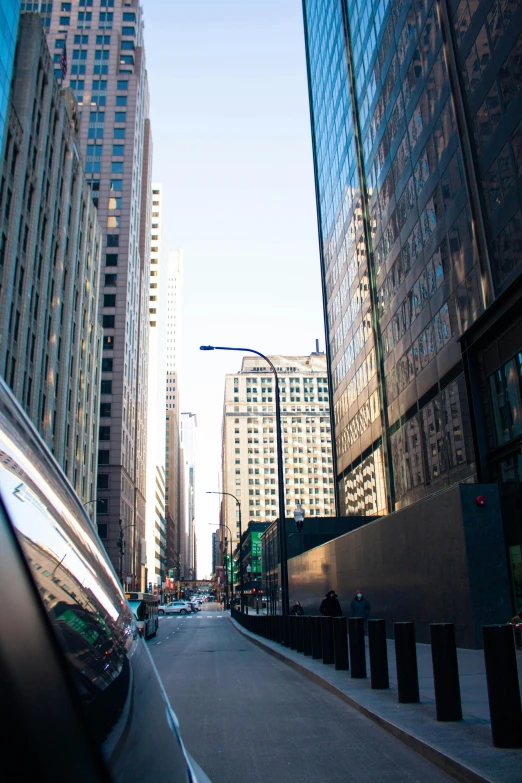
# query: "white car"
175,607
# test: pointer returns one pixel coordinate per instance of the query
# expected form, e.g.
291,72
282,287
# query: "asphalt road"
247,717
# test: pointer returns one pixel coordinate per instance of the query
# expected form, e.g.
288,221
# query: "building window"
108,321
106,387
102,530
102,506
104,433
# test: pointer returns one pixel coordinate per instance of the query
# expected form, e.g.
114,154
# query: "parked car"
175,607
69,645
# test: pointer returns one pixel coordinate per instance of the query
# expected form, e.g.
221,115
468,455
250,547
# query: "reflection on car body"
113,686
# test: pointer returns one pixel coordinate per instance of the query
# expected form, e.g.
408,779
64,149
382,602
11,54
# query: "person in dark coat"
297,609
330,605
360,606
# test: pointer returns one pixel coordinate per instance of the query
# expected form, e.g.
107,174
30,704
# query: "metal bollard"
445,671
327,639
340,640
406,660
307,635
285,631
503,688
293,636
378,654
317,644
299,639
357,647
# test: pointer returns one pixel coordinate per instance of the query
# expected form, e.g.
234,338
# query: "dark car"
81,696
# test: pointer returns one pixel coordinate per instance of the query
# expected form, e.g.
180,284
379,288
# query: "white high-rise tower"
155,524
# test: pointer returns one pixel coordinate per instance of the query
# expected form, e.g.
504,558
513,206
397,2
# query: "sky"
232,148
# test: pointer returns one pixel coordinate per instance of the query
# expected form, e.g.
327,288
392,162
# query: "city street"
248,717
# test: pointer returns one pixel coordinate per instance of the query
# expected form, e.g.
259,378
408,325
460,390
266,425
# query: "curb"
447,764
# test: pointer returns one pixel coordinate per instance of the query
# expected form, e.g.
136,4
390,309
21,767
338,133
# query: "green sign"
256,552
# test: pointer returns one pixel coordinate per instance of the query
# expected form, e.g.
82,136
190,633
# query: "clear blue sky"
232,148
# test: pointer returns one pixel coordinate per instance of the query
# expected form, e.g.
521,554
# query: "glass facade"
9,15
402,278
416,115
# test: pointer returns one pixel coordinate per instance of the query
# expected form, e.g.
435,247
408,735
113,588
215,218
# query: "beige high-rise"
249,440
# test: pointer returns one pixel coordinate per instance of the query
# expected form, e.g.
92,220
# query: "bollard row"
342,643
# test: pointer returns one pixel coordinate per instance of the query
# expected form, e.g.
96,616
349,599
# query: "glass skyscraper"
9,15
415,111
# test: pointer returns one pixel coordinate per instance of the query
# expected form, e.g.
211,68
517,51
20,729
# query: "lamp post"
225,542
281,528
241,589
121,546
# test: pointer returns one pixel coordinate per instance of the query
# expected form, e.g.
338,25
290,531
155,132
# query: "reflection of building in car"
76,674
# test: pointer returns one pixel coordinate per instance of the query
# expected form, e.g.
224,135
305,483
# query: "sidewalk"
463,749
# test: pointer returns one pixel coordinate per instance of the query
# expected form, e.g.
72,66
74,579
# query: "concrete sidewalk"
463,749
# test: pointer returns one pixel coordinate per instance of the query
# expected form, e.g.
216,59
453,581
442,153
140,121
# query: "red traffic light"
480,500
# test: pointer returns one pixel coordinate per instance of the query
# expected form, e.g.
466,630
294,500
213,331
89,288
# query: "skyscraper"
187,526
9,15
156,530
50,256
101,42
174,461
415,117
249,440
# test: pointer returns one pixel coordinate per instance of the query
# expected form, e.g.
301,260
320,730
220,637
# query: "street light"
242,599
220,524
281,528
120,544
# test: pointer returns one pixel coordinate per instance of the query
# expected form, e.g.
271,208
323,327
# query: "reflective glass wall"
9,15
400,261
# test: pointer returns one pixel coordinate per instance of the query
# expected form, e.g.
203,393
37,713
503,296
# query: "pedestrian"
330,605
297,609
360,606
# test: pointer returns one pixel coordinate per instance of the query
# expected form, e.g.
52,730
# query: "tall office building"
188,520
50,257
102,44
174,462
156,526
9,15
249,450
174,327
415,112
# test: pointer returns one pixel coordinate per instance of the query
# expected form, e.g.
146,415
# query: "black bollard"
285,631
327,639
340,640
293,635
299,638
357,647
317,643
445,671
307,635
378,654
406,660
503,688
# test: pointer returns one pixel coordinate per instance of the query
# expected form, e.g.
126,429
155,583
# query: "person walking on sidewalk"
330,605
360,607
297,609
